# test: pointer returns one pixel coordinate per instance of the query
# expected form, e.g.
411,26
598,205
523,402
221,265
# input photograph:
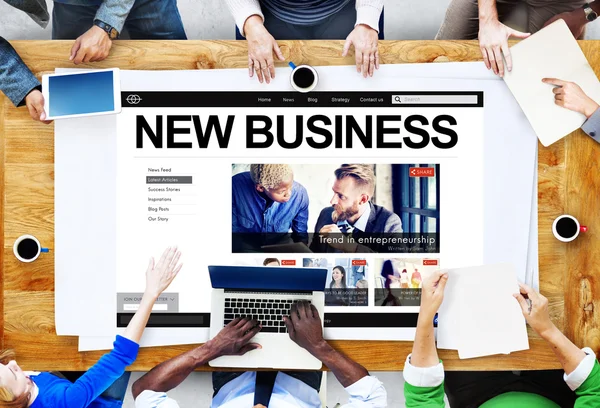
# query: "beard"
340,214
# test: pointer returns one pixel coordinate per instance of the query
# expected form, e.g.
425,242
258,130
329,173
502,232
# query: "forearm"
345,370
114,12
242,10
568,354
368,12
171,373
487,11
16,80
136,326
595,5
424,352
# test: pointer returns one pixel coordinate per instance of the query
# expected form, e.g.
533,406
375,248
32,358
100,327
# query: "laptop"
266,293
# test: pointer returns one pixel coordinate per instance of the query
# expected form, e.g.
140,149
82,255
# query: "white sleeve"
368,13
368,392
423,376
583,370
153,399
242,9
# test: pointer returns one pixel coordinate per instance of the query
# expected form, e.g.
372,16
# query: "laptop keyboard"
268,312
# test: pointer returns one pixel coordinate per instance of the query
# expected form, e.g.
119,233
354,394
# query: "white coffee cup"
34,255
299,74
569,228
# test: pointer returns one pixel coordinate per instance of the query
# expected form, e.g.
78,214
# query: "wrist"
210,351
425,320
321,349
487,17
251,23
549,333
590,108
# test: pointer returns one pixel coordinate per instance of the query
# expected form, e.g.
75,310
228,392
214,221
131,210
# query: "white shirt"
288,392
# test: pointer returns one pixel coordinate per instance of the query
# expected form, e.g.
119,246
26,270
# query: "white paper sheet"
550,53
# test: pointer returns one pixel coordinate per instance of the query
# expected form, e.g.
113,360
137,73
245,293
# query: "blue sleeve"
300,221
114,12
16,80
102,374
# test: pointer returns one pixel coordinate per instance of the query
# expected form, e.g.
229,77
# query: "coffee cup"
566,228
27,248
304,78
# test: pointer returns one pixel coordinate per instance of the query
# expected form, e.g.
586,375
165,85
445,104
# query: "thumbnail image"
347,280
335,208
398,281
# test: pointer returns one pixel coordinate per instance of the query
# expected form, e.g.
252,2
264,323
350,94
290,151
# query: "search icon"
397,99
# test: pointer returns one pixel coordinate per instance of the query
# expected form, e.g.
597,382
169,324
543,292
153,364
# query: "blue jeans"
147,20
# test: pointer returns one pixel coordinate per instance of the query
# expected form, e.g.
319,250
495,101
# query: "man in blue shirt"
266,205
287,390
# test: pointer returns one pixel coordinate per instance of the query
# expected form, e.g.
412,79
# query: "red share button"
430,262
421,171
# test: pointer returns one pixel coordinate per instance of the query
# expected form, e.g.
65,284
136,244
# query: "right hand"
493,42
234,339
570,96
537,314
93,45
261,46
432,294
304,326
160,276
35,104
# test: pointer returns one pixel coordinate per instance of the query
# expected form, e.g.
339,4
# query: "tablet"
88,93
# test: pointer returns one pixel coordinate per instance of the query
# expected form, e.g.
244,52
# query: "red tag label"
359,262
288,262
430,262
421,171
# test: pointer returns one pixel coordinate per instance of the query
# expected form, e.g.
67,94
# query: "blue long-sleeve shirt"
250,213
58,392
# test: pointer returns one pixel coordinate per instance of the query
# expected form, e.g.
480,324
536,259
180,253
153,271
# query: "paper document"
550,53
479,315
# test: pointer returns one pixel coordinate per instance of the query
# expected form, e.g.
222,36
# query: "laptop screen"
268,278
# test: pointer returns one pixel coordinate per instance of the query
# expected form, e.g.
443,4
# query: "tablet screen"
79,94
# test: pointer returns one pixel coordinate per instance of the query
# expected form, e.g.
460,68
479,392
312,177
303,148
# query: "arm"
305,329
575,19
493,38
368,13
16,80
365,37
241,10
114,12
423,371
230,341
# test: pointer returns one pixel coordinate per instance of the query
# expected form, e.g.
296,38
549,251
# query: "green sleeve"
425,397
588,394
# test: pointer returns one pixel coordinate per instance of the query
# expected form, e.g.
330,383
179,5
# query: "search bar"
434,99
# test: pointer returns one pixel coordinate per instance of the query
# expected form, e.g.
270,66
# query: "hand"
493,42
569,95
160,276
261,46
304,326
35,103
366,53
536,314
234,339
575,20
432,294
333,229
93,45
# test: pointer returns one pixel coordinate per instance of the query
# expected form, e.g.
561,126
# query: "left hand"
234,339
93,45
432,294
569,95
333,229
160,276
365,40
575,20
35,104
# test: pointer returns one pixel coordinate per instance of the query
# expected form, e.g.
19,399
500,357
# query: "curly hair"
7,398
270,175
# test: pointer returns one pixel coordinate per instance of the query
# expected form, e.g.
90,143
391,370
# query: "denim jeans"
147,20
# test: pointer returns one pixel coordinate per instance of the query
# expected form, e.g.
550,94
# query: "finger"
75,49
442,282
554,81
365,66
290,326
302,309
33,112
377,59
347,45
236,322
507,56
315,312
151,264
559,97
358,57
79,56
88,57
176,271
252,331
249,324
558,90
278,52
486,59
294,313
522,302
175,260
271,68
266,69
499,61
531,294
518,34
492,58
258,71
248,347
371,64
250,67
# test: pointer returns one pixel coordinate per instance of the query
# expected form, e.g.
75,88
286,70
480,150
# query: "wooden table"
569,182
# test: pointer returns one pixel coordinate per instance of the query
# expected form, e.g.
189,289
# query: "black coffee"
566,228
27,249
304,77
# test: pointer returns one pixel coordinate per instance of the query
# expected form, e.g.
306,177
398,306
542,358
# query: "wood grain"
567,182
